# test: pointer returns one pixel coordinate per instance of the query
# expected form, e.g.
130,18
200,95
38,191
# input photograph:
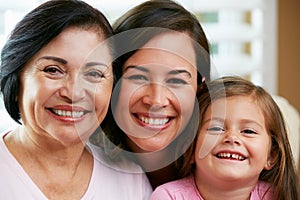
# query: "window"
242,36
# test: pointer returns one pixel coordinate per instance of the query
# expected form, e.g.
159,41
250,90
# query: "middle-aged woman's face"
157,92
66,86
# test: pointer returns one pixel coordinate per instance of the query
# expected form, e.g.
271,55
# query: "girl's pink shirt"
185,189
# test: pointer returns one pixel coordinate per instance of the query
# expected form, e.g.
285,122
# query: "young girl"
242,150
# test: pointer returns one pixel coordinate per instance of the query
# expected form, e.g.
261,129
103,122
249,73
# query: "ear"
271,161
268,165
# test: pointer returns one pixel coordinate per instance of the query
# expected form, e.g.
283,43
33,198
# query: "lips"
231,156
153,121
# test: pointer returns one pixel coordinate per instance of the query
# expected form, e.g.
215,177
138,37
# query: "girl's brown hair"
282,176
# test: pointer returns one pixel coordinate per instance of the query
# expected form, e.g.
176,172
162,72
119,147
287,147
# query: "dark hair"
282,176
161,16
35,31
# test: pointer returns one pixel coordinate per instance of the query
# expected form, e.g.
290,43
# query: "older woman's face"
157,92
66,87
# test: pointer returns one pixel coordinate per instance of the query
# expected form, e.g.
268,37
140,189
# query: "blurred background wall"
289,51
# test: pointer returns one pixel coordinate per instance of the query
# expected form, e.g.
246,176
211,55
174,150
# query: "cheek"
121,99
33,91
102,97
33,98
260,148
201,151
129,95
205,144
184,102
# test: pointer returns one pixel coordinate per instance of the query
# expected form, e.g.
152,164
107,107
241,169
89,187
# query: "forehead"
177,43
236,107
77,45
169,49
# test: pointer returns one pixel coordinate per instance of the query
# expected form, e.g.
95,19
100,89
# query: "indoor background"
257,39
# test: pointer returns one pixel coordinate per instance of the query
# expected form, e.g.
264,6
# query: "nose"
72,89
231,137
156,95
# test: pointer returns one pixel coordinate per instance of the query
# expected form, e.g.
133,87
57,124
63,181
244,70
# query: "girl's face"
66,87
233,143
157,92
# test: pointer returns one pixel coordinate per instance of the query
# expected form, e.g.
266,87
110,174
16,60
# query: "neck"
159,166
162,175
60,171
43,151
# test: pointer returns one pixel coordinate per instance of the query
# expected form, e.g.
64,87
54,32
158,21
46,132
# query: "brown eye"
248,131
215,130
176,81
136,77
94,75
53,72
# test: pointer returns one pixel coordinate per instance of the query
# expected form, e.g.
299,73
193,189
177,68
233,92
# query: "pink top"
109,181
185,189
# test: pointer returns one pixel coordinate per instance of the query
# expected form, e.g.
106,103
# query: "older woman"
56,81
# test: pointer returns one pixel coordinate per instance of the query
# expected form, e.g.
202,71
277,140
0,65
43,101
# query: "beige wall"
289,51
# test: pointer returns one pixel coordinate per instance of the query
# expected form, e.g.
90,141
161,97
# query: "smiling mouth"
67,113
231,156
154,120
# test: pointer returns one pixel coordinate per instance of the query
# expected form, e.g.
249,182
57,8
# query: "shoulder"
262,190
130,178
179,189
123,164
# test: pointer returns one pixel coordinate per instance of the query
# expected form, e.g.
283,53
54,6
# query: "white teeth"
154,121
64,113
229,155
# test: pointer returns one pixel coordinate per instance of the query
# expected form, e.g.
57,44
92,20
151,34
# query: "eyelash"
52,70
172,81
137,77
177,81
249,131
215,130
220,130
56,72
94,75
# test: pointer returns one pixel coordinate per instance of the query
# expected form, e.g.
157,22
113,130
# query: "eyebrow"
63,61
56,59
173,72
182,71
90,64
213,119
136,67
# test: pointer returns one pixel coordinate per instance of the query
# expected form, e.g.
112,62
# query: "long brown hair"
282,176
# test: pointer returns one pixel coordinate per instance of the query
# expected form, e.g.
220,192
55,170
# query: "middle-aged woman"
162,58
56,81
